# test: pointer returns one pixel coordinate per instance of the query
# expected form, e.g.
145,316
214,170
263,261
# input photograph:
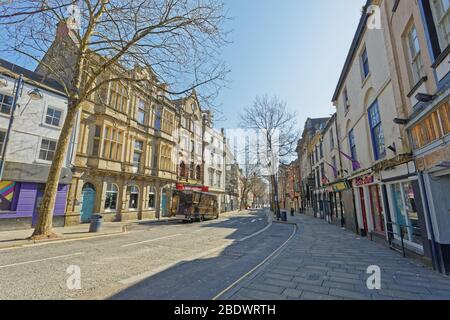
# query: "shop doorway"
363,210
88,202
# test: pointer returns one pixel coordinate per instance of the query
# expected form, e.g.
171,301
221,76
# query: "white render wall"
330,151
29,126
217,148
361,96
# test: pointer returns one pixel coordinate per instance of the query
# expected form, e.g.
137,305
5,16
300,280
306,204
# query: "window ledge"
417,85
441,57
50,126
40,161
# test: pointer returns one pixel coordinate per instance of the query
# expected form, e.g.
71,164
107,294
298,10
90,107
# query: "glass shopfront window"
406,217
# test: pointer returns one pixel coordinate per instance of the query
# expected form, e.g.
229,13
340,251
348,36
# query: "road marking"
254,220
151,240
40,260
256,233
272,255
157,270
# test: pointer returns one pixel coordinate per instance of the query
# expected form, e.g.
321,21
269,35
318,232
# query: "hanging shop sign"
341,186
182,187
361,181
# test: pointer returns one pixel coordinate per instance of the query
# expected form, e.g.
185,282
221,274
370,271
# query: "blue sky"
294,49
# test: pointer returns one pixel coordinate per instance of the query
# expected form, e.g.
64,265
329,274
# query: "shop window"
133,192
112,192
151,198
406,217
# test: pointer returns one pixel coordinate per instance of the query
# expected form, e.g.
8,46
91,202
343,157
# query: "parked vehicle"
193,206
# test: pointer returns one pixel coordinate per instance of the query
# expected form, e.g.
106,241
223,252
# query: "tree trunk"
43,228
275,194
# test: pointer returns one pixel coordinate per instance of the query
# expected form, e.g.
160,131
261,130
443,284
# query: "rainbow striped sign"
7,190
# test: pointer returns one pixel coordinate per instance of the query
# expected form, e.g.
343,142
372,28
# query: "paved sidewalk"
324,261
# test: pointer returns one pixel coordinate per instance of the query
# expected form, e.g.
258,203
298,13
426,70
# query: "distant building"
214,160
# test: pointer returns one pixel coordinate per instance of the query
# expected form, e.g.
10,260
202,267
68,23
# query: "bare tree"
277,125
170,46
258,188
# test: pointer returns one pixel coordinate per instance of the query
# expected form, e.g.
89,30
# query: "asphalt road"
154,261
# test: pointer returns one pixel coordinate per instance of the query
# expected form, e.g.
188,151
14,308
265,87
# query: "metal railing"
392,226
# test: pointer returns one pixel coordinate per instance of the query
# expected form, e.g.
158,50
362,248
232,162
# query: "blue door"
88,201
164,204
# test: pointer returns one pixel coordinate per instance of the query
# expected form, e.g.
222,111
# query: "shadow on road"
205,276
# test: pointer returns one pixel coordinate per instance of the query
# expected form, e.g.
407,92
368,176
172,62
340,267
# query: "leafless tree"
277,125
170,46
258,188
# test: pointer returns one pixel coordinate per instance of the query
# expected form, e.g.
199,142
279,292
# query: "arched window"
112,192
182,169
151,198
133,192
198,172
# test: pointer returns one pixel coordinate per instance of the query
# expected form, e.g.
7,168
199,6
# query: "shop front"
405,218
369,206
19,204
337,204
